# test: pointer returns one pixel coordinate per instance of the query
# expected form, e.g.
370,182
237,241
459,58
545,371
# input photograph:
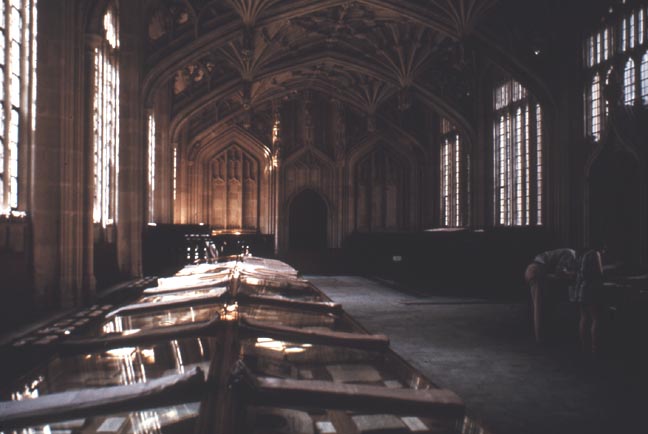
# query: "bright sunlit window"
151,168
629,83
106,120
517,152
619,41
451,160
17,95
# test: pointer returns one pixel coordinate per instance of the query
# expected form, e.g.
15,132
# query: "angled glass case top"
175,419
207,268
266,357
310,420
113,367
302,319
152,320
308,294
190,281
191,295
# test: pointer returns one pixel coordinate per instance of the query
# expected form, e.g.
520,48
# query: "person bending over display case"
555,264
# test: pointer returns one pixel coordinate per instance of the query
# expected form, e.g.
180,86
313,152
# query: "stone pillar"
77,282
44,200
339,151
63,274
431,173
132,142
164,158
481,202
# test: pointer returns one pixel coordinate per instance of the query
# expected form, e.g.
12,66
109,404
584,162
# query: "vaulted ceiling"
225,59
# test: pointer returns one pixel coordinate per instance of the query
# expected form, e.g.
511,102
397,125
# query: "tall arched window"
644,79
629,83
106,120
17,96
517,151
151,168
594,112
621,40
452,172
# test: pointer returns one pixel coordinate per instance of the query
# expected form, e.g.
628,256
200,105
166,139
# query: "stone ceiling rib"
318,58
164,69
395,43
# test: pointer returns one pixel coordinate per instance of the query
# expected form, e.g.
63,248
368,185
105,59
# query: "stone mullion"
340,199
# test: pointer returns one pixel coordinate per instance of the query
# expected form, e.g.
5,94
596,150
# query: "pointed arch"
308,220
224,181
384,185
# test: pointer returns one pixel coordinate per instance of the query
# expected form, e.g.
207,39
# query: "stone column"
164,158
77,282
339,151
481,202
62,261
44,200
132,146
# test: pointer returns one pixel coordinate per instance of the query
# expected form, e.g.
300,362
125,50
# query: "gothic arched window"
17,97
644,79
151,168
594,114
621,40
517,152
106,119
629,83
452,175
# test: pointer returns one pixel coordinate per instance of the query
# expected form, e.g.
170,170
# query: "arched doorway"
615,205
307,221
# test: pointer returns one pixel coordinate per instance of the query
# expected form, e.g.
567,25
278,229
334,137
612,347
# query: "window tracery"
106,120
17,95
151,168
620,41
452,169
517,152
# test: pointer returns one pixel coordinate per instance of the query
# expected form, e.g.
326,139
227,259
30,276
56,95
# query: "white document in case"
111,424
353,373
325,427
376,423
415,424
393,384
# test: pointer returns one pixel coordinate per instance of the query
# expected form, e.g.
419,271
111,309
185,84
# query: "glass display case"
175,419
288,361
112,367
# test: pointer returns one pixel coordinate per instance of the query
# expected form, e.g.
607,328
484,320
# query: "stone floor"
483,351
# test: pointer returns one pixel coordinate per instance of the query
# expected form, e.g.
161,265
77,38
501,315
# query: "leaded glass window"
452,173
17,95
106,120
621,40
517,155
151,168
